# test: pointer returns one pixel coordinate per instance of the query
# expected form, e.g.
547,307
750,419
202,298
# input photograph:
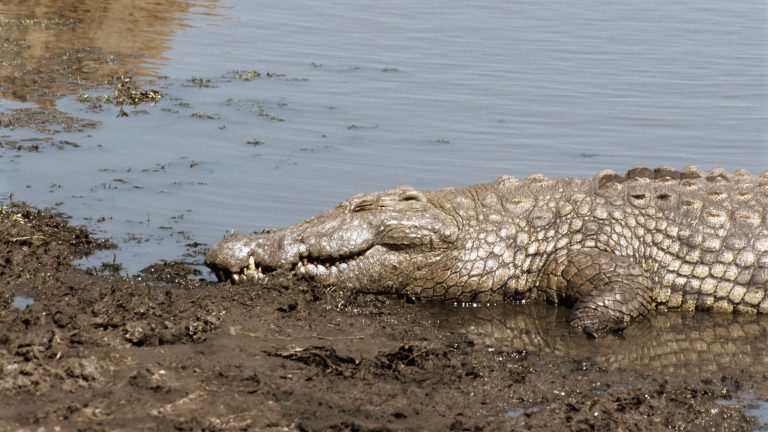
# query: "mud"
161,351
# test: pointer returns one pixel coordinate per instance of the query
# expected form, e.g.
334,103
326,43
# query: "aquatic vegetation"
198,82
202,115
243,75
36,144
48,121
15,217
259,107
126,92
249,75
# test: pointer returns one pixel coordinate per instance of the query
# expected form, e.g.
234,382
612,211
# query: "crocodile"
614,248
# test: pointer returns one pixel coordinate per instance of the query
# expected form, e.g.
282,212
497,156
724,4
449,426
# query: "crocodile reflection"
697,345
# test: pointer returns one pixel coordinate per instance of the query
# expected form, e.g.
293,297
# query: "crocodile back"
703,236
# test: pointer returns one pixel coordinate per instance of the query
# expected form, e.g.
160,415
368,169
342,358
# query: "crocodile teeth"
253,275
306,265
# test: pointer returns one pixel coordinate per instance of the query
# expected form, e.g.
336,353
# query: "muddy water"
693,347
697,348
675,344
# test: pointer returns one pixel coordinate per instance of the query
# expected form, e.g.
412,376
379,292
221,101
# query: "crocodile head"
375,242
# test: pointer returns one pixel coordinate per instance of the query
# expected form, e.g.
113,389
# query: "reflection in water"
703,345
54,47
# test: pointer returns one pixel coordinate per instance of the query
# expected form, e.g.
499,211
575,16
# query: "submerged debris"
35,145
198,82
171,272
243,75
126,92
106,268
47,121
258,106
249,75
202,115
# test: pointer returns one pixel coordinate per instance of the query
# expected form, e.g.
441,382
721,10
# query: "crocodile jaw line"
307,265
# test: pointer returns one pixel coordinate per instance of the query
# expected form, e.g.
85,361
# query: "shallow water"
428,94
682,345
22,302
679,346
693,347
758,409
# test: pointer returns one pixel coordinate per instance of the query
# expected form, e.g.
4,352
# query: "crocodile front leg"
606,291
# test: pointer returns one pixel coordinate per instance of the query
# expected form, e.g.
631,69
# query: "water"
22,302
692,346
759,409
756,408
679,346
428,94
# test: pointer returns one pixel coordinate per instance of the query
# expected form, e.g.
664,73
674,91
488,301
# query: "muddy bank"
162,352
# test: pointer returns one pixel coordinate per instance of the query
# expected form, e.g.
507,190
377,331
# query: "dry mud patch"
158,352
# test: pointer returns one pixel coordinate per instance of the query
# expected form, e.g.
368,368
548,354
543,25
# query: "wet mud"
163,351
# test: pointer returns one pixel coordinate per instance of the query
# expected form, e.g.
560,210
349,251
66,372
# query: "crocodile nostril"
362,205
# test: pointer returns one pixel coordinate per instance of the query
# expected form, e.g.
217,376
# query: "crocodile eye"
414,196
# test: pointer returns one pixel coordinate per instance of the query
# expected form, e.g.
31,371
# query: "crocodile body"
614,247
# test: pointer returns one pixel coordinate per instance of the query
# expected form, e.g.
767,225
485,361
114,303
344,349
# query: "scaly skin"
614,247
